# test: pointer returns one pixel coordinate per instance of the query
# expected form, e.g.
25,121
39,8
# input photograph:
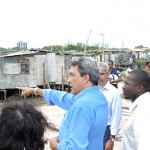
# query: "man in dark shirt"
114,74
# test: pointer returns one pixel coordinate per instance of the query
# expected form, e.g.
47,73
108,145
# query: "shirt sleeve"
62,99
116,113
79,127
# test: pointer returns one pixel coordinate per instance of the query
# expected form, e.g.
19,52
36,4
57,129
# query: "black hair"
22,127
111,61
141,78
147,63
88,66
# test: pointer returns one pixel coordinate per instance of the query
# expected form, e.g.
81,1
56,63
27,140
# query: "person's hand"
26,90
53,142
112,81
109,145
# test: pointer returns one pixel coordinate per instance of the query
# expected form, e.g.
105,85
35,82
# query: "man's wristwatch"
35,91
112,138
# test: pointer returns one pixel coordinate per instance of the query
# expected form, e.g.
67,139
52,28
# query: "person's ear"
86,78
140,88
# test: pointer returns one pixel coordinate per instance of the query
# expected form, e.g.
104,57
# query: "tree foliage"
140,63
69,47
2,49
16,49
138,47
53,48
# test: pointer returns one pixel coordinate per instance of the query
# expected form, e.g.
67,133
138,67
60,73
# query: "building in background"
22,45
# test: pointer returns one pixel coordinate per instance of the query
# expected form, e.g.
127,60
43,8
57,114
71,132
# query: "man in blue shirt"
86,119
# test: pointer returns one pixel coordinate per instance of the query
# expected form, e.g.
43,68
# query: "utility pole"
122,45
86,43
68,43
102,34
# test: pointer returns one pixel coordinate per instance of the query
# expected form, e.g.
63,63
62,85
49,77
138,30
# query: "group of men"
94,108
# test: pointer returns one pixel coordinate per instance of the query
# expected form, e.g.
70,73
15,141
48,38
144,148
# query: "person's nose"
68,81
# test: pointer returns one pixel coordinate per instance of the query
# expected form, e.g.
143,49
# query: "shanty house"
33,68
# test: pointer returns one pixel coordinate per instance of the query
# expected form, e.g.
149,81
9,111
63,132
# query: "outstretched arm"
53,97
27,91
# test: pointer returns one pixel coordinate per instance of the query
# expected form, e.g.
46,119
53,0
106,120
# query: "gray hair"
104,65
87,66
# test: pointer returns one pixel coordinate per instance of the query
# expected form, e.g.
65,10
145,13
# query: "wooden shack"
33,68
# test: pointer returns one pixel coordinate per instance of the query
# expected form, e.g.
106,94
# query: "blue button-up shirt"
85,122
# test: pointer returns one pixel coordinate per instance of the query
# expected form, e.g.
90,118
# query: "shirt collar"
137,101
107,86
92,88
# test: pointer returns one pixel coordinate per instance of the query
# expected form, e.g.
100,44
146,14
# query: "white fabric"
112,77
128,70
136,133
115,107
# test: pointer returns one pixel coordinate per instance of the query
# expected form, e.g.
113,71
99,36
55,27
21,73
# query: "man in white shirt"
114,104
137,130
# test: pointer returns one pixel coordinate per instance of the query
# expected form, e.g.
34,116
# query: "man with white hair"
114,106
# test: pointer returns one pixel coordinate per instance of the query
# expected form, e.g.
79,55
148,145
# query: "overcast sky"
48,22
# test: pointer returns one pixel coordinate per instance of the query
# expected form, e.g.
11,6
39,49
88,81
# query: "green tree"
138,47
54,48
77,47
16,49
140,63
92,48
48,48
2,49
70,47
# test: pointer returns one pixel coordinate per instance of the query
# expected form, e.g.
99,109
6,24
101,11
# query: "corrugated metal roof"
19,53
138,50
